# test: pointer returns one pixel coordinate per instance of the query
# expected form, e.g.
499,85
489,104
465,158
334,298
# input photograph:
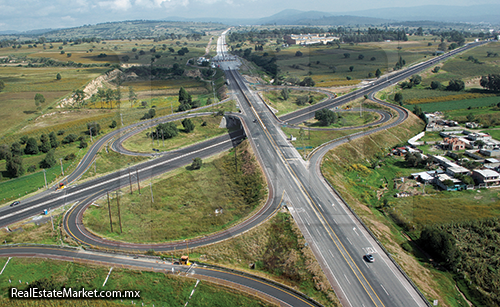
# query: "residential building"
487,177
309,39
452,143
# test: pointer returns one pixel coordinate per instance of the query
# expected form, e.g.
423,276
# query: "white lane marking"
331,253
347,279
348,240
111,180
384,290
354,228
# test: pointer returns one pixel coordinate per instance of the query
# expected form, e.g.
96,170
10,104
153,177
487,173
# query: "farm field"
319,62
455,105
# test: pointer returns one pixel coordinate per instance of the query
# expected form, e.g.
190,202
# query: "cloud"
117,5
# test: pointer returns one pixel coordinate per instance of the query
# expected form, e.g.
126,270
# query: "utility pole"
130,181
162,138
95,167
151,190
119,214
90,133
121,117
109,212
45,178
51,220
62,169
138,185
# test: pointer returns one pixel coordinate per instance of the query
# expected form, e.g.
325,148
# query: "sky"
22,15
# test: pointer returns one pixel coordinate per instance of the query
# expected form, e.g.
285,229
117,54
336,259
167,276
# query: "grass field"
141,143
321,60
312,139
21,85
156,288
276,101
455,105
459,68
348,119
185,202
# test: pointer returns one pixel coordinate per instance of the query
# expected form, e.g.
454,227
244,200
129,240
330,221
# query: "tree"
308,81
83,144
15,149
491,82
347,55
301,100
70,138
401,62
166,130
132,97
93,128
197,163
39,99
31,147
326,117
113,124
351,68
2,85
360,57
398,98
79,96
49,160
455,85
58,76
416,79
185,100
15,166
378,73
188,125
23,139
285,93
53,140
442,46
298,53
45,143
436,85
436,69
152,113
470,117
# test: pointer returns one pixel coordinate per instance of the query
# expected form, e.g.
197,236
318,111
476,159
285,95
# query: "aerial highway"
335,235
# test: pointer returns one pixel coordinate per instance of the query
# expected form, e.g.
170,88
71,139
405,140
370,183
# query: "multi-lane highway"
336,237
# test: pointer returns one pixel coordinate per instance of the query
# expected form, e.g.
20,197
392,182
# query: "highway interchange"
337,238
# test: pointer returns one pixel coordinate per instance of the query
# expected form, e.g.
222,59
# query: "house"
309,39
490,152
471,125
457,170
456,185
426,177
452,143
486,176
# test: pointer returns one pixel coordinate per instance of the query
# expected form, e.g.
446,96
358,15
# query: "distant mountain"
9,32
489,14
485,13
344,20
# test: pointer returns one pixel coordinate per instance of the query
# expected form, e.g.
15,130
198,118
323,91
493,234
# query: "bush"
70,138
70,157
32,168
49,160
197,163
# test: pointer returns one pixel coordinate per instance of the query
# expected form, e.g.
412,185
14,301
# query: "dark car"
369,258
15,203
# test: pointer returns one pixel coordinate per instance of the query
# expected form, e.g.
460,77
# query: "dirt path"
207,49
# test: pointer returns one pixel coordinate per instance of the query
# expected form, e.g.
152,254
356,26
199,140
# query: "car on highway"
369,258
15,203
